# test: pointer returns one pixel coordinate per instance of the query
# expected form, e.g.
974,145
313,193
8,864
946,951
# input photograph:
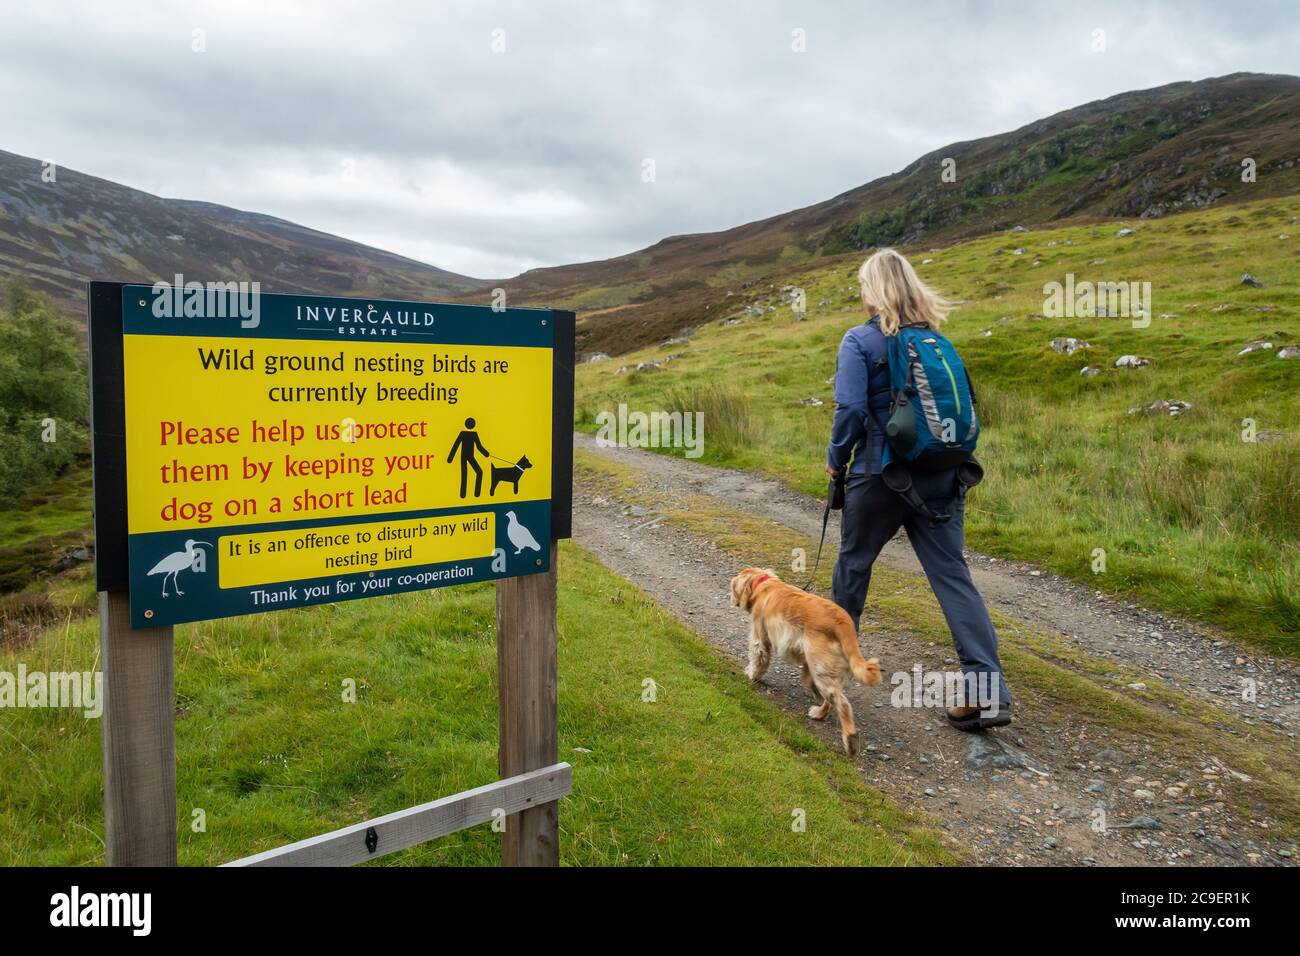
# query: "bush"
43,411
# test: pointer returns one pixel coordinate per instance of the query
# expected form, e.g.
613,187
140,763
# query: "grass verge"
706,774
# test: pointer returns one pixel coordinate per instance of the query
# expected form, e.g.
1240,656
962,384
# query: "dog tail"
866,670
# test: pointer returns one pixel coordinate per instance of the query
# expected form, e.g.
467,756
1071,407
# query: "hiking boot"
971,719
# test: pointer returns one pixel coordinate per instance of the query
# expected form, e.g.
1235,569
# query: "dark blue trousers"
872,516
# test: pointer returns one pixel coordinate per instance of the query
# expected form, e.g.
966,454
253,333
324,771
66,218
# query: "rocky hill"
58,234
1139,155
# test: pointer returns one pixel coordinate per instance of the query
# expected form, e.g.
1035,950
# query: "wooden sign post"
244,541
139,736
528,738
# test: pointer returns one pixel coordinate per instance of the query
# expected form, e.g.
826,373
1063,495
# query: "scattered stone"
1256,346
597,357
1066,345
988,750
1124,232
1095,786
1173,407
1142,794
812,402
1131,361
1290,351
1223,848
1110,755
1089,371
1140,823
1138,686
1250,280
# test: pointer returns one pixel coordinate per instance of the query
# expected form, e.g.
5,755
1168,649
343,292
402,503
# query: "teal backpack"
933,425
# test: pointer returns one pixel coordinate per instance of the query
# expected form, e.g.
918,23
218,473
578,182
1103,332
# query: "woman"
894,296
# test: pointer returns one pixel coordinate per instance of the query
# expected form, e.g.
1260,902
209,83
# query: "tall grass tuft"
729,422
1273,499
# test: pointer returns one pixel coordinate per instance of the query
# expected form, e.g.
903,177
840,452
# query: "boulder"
1131,361
1290,351
1255,347
1250,280
1090,371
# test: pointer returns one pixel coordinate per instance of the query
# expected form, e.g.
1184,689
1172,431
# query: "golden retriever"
809,631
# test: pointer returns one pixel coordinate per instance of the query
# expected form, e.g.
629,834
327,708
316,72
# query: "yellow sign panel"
233,431
258,559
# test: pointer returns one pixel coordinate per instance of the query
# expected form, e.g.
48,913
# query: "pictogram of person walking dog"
470,446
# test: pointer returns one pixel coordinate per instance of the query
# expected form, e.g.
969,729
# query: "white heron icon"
175,563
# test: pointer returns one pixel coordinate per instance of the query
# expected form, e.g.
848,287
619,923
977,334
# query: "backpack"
932,420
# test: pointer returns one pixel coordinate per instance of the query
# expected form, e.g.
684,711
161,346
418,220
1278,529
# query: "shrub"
42,393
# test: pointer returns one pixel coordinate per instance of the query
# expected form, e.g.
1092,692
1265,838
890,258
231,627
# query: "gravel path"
1029,794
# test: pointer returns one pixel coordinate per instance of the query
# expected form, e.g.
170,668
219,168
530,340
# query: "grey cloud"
739,126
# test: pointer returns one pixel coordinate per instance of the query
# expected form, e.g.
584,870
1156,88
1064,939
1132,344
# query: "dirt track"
1024,795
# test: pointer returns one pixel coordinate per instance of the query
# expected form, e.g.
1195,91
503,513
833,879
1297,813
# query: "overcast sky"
405,125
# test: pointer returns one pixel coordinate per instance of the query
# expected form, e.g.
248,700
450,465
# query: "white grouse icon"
520,536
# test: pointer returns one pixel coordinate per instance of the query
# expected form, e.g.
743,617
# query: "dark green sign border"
115,309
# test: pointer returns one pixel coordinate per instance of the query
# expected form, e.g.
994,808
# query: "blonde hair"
892,290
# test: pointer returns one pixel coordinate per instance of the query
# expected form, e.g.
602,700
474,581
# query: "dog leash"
834,501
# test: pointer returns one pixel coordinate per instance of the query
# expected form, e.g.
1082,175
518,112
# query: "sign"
276,451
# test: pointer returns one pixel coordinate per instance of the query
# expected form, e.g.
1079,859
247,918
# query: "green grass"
709,773
1192,519
52,511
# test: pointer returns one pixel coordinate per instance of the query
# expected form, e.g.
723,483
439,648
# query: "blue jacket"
861,393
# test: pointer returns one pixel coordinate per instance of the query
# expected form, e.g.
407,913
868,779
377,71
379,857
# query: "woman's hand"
831,471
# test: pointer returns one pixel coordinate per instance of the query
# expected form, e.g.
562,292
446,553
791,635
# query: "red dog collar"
754,587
